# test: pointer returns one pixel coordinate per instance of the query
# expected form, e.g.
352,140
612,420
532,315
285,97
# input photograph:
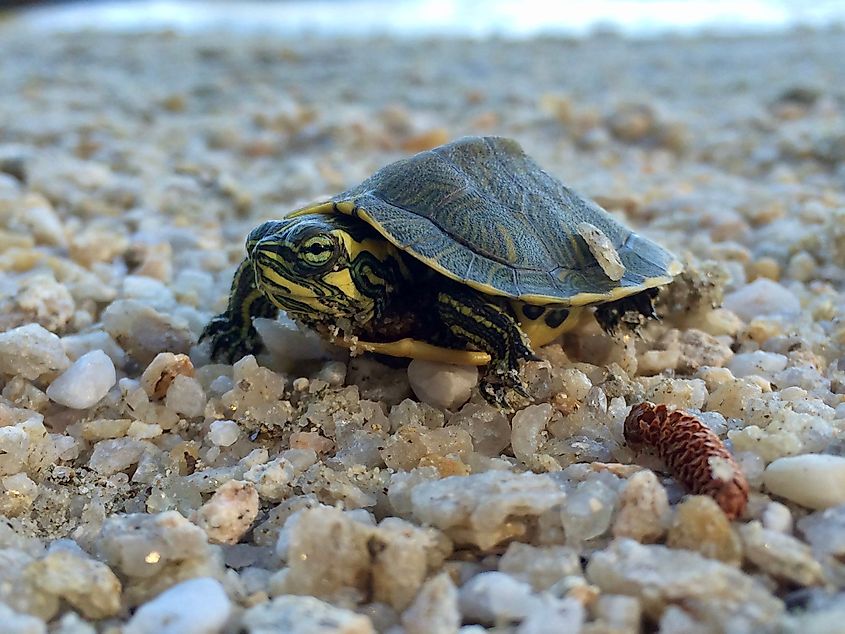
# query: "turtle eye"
317,252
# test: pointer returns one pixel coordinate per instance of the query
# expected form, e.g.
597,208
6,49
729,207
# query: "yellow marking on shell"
510,245
536,329
327,207
415,349
580,299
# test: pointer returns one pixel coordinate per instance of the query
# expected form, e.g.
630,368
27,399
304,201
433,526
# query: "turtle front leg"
231,333
487,326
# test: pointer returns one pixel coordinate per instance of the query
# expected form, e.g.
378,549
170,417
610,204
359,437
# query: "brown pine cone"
694,455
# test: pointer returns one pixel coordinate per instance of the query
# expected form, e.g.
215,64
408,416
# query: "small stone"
148,290
14,448
274,480
303,615
488,427
85,382
401,554
435,609
151,552
17,494
79,344
494,597
815,481
426,140
675,620
759,363
143,431
289,344
619,612
710,590
700,525
143,331
72,623
777,517
44,300
224,433
554,617
763,298
19,623
603,251
699,349
229,513
541,566
196,606
19,590
87,584
643,509
30,351
632,122
442,385
104,428
485,508
186,397
780,556
588,511
117,454
327,553
161,371
529,433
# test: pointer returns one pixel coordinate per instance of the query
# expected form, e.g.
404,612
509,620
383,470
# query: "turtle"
468,253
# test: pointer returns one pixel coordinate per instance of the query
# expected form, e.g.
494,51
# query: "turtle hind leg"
231,334
631,311
471,318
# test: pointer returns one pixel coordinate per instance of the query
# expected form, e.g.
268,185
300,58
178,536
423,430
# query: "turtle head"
319,267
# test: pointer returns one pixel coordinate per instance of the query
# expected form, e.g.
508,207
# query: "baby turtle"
468,253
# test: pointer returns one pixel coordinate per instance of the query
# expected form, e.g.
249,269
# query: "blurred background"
443,17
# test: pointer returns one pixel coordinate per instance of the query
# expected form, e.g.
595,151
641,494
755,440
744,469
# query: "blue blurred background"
476,18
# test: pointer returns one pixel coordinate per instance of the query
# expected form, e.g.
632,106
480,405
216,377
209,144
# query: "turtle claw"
230,341
504,388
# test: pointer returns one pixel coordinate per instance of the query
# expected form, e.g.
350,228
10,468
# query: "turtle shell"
480,211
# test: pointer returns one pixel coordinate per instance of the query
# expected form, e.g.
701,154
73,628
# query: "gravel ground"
146,490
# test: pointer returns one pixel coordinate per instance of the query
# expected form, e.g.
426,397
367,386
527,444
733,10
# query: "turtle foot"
505,389
230,341
631,312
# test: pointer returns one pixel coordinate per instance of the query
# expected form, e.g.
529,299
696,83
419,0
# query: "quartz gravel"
144,488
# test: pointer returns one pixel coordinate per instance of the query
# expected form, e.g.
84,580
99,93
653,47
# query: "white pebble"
293,614
815,481
229,513
18,623
528,426
31,351
760,363
148,290
77,345
224,433
777,517
196,606
85,382
288,343
186,397
554,617
116,454
763,298
442,384
493,597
